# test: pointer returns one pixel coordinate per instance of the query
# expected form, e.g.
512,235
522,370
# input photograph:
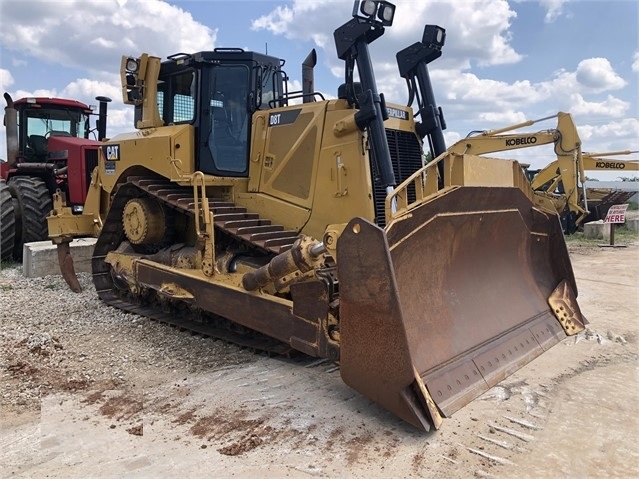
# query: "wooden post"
612,233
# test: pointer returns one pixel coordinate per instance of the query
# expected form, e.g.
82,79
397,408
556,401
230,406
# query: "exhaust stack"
11,125
308,81
102,116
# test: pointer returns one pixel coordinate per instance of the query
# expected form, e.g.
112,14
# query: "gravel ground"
71,342
90,391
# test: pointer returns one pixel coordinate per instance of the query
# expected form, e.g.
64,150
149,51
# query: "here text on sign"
616,214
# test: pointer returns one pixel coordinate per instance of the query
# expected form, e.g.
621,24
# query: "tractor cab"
217,92
42,118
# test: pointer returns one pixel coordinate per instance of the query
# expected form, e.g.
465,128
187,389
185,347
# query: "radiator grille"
90,162
406,156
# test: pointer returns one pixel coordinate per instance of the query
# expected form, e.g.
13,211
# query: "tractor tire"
7,223
32,204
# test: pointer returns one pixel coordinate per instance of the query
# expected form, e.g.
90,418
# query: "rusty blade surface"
66,267
457,291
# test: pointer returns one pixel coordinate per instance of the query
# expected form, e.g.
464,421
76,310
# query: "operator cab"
41,118
218,92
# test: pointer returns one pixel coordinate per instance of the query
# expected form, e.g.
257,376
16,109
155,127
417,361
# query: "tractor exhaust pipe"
102,116
308,80
11,125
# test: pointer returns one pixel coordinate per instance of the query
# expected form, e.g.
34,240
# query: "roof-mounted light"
379,12
434,36
368,7
386,13
132,65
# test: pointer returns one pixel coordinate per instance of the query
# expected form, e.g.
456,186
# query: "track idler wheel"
144,221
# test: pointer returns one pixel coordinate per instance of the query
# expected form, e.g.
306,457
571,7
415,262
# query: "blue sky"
504,61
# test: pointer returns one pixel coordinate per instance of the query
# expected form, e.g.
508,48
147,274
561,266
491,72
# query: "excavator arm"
597,162
547,180
567,168
590,162
564,136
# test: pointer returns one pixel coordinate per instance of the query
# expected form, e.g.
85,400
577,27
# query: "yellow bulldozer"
315,226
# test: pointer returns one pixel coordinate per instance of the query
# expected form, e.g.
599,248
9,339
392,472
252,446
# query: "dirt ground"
84,396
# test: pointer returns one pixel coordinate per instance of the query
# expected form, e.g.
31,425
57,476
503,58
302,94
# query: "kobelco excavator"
317,227
560,185
557,184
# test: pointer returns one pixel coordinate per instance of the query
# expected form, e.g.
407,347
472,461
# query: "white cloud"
506,117
554,9
612,136
120,120
470,90
477,31
276,22
103,43
611,107
635,62
87,90
93,34
597,75
6,79
451,137
626,129
567,91
294,86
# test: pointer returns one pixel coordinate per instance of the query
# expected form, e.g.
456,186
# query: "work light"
434,36
374,11
386,13
132,65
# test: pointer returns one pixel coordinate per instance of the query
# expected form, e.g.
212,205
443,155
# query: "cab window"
229,119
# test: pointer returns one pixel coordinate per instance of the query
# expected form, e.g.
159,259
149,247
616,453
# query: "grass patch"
622,235
4,264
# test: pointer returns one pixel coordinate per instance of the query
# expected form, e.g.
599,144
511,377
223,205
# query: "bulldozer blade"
450,299
66,266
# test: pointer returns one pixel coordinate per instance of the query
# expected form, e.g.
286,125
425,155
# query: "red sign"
616,214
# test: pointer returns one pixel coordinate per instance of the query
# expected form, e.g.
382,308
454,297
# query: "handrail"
426,181
203,213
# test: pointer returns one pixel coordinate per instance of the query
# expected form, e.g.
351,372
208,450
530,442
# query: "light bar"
378,12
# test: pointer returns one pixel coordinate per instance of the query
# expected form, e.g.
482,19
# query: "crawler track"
246,228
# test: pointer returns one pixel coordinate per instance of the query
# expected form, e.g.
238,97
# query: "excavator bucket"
451,298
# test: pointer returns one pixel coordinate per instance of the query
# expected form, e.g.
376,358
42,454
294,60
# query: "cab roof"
52,102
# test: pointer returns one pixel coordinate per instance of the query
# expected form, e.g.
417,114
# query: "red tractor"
48,149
